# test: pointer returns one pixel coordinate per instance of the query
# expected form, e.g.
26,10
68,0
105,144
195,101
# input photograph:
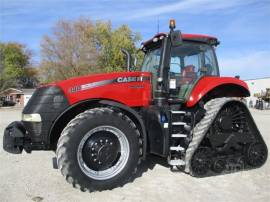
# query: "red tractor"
177,107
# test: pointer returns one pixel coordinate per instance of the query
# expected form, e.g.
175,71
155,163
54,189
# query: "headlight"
31,117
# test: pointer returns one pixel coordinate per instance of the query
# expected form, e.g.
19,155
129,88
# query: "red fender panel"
208,83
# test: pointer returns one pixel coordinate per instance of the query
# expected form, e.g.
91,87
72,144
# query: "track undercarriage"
225,140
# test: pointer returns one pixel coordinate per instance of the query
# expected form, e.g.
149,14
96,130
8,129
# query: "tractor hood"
130,88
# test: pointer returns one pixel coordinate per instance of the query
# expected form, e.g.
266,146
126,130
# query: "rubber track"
60,152
212,108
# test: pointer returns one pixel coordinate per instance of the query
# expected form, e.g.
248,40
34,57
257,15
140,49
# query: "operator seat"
188,75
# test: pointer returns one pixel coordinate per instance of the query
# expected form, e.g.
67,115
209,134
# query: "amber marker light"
172,24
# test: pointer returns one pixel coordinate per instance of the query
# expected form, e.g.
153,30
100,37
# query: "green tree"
29,79
110,43
14,58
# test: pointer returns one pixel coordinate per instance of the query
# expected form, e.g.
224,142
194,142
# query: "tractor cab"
178,63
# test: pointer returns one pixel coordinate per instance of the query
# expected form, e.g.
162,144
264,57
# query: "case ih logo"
130,79
106,82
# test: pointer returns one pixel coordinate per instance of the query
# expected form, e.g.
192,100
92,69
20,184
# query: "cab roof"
186,37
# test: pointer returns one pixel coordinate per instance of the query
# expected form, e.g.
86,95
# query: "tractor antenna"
158,25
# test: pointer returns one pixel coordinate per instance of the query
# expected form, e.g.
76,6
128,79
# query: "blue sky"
242,26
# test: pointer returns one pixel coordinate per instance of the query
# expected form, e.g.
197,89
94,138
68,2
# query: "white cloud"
190,6
247,65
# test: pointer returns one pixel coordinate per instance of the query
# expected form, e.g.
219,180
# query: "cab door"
190,62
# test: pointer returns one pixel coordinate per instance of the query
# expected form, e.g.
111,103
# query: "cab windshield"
151,60
188,63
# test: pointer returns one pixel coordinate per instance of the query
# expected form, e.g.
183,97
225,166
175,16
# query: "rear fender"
213,87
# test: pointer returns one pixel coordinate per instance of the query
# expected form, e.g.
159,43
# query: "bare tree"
70,51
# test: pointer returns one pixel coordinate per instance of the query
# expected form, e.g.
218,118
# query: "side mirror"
176,38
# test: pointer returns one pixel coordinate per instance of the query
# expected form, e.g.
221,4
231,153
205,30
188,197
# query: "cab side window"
175,66
209,63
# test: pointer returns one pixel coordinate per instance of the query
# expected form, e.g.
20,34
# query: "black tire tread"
68,130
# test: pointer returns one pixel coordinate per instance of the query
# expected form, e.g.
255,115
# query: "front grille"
49,102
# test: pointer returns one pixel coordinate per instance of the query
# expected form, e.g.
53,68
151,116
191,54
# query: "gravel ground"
32,178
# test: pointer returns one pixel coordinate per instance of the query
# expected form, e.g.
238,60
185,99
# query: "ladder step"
177,148
178,112
178,123
179,135
176,162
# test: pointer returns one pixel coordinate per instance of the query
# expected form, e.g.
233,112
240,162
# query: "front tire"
99,150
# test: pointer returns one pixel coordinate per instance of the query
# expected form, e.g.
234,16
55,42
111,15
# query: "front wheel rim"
117,167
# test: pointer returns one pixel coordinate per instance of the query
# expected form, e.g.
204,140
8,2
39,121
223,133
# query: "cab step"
176,162
177,148
178,112
179,135
179,123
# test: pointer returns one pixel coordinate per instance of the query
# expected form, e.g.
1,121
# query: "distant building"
18,96
257,86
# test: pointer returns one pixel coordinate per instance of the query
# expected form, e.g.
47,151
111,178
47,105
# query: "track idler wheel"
201,162
256,154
